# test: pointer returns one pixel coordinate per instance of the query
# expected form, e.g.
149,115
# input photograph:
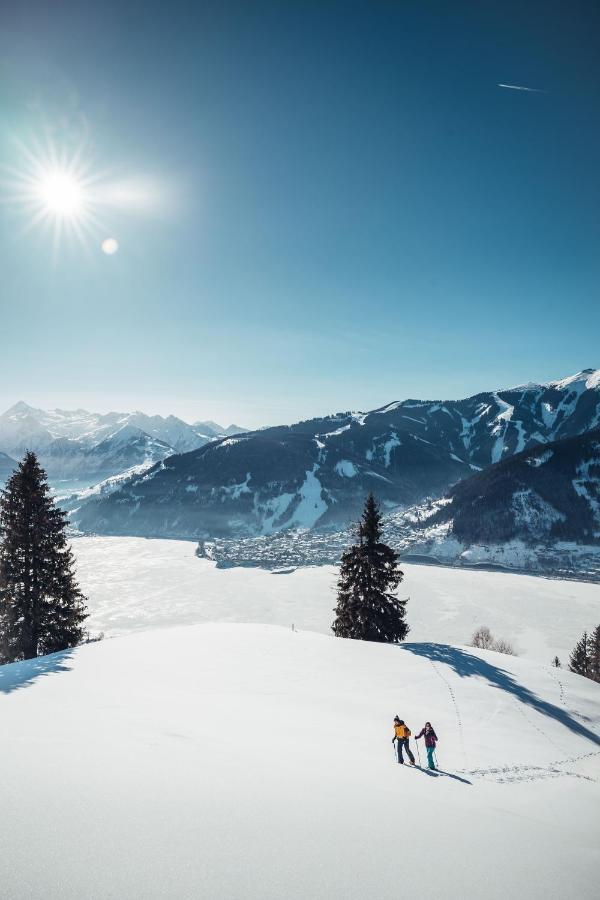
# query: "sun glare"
56,191
61,194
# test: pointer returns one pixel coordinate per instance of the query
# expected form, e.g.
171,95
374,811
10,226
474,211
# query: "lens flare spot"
110,246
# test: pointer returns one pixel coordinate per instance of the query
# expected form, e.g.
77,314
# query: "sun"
55,190
62,195
58,190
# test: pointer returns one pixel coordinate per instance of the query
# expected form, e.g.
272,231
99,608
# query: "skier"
431,739
401,735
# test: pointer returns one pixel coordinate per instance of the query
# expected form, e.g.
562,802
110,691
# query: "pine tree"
579,661
41,607
368,608
594,654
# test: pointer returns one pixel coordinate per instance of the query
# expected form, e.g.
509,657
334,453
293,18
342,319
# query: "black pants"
400,743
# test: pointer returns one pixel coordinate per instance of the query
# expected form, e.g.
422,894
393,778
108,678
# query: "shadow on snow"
467,665
441,773
14,676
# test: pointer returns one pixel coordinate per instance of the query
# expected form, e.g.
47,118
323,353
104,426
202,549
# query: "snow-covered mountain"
241,762
269,480
214,430
23,427
317,472
537,511
82,448
551,492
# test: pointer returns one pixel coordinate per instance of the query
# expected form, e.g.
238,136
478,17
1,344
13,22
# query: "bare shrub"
485,640
482,638
93,638
502,646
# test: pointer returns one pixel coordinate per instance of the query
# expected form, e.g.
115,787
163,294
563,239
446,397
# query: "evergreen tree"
579,661
368,608
556,662
594,654
41,607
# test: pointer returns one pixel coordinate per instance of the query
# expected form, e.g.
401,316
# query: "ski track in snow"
514,774
561,687
523,772
574,759
456,710
533,725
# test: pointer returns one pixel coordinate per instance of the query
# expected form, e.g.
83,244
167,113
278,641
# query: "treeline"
585,658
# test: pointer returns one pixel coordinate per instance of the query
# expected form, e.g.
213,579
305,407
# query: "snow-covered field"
134,583
247,761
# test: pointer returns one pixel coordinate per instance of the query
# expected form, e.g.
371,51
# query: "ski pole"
437,765
418,752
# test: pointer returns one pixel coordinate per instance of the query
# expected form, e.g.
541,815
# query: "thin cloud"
520,87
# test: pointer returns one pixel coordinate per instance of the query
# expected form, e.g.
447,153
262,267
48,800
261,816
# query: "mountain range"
78,448
537,511
315,474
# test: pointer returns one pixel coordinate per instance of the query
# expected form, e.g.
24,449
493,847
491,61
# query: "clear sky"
323,205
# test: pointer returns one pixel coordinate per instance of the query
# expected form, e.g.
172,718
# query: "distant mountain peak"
20,408
78,445
588,378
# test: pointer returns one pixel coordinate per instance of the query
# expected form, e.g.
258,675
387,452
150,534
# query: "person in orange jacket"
401,735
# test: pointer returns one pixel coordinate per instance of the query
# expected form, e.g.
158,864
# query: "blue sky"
346,208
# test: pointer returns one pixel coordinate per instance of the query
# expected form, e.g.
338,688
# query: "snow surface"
235,491
346,468
135,584
235,762
534,513
587,378
311,506
586,485
337,431
390,445
500,429
537,461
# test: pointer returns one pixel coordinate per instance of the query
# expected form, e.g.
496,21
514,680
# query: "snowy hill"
316,473
238,762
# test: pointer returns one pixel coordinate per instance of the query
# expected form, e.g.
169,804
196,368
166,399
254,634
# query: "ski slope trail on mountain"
251,761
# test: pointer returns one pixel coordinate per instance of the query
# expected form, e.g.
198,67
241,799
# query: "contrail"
520,87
